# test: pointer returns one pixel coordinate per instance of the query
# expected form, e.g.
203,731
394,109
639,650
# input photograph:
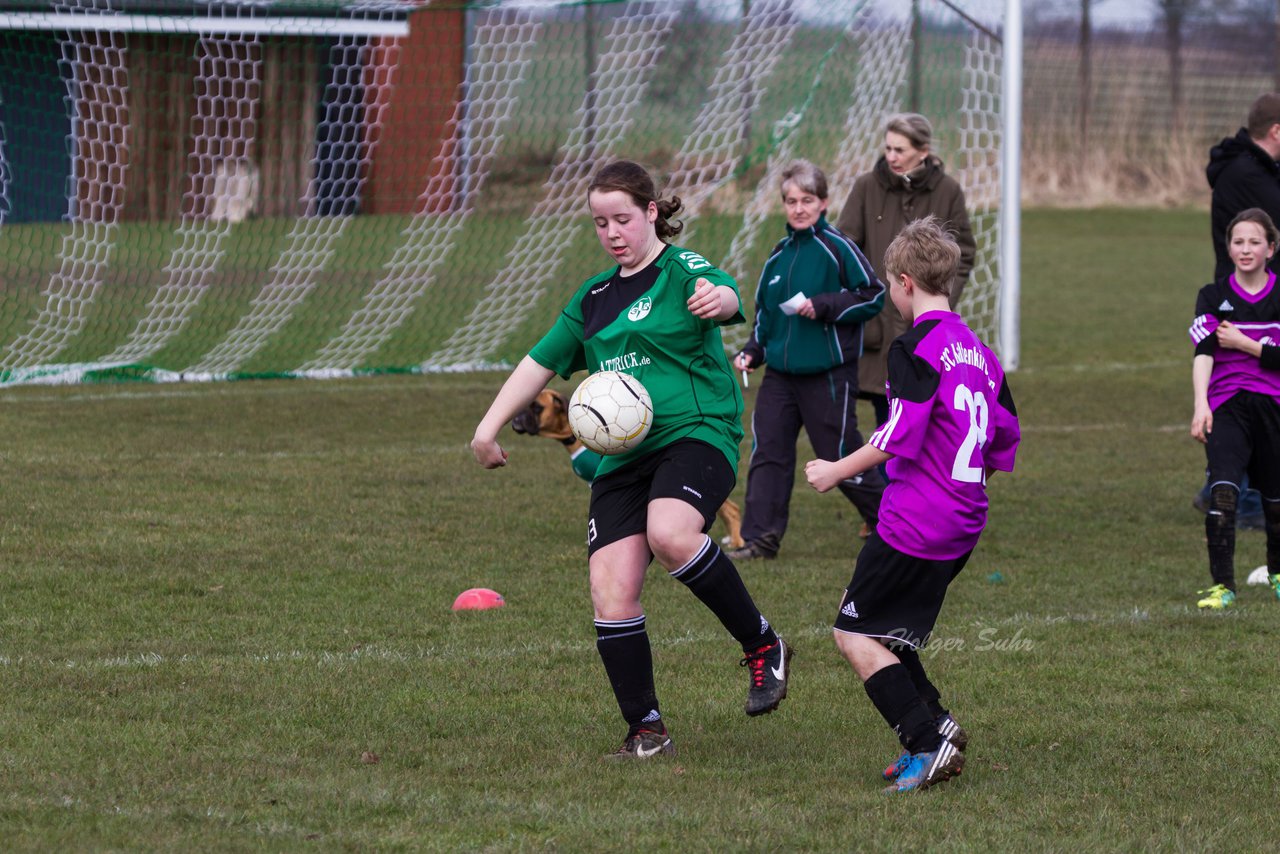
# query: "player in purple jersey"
951,424
1236,383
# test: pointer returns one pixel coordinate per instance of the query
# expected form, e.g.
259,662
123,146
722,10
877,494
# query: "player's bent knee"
617,580
673,549
1222,500
612,602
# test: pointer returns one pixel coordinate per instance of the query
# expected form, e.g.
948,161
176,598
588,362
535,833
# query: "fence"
1126,113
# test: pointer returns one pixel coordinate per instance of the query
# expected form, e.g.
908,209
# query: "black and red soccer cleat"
770,668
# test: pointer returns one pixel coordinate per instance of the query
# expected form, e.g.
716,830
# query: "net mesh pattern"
228,190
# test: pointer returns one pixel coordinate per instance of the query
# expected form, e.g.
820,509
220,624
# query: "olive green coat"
879,205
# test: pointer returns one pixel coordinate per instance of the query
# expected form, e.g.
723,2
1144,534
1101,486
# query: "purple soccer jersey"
951,418
1258,317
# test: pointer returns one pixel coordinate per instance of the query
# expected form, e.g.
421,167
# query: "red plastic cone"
478,599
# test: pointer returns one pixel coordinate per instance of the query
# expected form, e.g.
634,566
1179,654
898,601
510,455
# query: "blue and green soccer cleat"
1217,598
1274,580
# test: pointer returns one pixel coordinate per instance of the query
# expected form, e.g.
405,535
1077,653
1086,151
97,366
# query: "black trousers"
825,406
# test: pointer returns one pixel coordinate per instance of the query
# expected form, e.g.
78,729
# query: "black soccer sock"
1220,533
1271,517
628,661
894,695
928,693
715,581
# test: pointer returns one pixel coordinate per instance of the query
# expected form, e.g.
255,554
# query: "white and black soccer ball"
610,412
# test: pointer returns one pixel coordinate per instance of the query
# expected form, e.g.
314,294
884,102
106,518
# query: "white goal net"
240,189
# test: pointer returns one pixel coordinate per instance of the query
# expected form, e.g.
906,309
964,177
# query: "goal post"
349,188
1009,307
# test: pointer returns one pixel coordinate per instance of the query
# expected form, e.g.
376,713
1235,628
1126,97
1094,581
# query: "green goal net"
234,189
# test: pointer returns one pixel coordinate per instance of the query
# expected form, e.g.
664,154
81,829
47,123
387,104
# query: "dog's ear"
561,402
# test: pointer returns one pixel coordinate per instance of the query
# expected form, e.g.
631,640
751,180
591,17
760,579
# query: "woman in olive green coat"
907,183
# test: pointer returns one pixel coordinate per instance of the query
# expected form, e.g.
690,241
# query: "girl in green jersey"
656,314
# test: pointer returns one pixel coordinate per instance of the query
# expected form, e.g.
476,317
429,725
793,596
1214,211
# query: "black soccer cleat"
770,668
764,547
645,743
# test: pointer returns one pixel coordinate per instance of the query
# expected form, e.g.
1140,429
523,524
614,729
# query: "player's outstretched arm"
516,393
823,475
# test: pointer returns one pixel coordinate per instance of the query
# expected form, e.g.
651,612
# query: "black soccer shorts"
895,597
1246,439
690,470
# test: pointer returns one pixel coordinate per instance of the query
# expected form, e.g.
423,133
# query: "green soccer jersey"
641,325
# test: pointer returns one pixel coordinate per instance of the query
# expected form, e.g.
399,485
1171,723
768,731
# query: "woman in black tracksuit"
815,292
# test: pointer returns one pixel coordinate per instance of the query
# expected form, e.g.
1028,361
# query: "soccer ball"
610,412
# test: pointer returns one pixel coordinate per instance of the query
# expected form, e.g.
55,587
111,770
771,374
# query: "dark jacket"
831,271
879,205
1242,176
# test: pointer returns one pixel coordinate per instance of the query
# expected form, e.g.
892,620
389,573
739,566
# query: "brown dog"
547,416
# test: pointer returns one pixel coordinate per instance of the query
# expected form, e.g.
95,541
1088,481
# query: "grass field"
225,622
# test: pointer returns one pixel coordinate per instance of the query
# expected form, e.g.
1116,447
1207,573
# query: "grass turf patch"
226,621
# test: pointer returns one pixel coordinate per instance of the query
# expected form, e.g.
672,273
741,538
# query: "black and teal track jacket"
828,268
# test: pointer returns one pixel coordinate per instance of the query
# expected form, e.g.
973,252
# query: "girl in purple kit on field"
951,424
1235,380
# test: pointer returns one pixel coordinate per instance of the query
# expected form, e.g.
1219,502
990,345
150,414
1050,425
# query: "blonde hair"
926,252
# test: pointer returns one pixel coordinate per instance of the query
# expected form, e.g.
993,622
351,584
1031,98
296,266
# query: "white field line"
1105,368
1105,428
340,452
284,388
293,388
246,388
466,653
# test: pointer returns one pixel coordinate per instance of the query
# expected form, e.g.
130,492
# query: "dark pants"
825,405
880,404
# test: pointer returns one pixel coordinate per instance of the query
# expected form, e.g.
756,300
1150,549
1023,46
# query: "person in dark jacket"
907,183
1243,173
815,292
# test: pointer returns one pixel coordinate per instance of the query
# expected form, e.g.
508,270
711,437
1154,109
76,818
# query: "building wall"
416,108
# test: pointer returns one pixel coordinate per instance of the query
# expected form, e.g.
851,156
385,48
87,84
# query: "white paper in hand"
792,305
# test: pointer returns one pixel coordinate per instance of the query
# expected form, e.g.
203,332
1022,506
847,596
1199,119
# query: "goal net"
240,189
